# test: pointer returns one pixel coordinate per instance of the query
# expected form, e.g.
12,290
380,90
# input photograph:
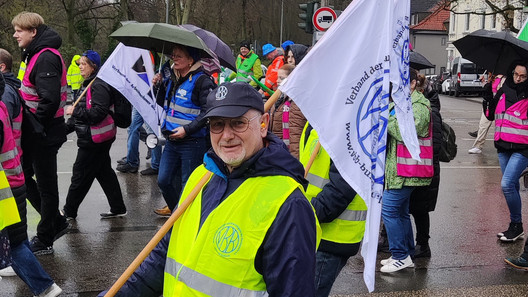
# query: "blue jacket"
286,258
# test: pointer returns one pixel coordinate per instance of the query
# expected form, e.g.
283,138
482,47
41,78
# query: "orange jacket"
273,73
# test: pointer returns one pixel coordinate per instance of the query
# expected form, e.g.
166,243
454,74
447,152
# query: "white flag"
130,71
342,87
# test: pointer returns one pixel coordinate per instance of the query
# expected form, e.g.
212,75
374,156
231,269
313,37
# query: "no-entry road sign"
323,18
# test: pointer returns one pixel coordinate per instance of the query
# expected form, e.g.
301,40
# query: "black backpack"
448,149
122,114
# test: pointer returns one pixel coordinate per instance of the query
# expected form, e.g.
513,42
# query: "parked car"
445,85
466,77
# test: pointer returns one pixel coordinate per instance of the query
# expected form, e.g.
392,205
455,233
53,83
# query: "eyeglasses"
175,56
520,76
239,125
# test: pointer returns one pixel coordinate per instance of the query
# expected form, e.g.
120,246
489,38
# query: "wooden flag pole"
312,158
158,236
84,92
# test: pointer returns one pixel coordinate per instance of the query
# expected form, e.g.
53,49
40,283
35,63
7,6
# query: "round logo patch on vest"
221,93
228,240
517,113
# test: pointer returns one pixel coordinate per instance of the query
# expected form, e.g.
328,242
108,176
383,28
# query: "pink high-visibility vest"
29,91
16,125
9,156
511,124
406,166
104,130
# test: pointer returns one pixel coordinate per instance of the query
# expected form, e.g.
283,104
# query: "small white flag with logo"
130,71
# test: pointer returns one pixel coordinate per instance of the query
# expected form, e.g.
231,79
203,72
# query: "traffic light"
306,16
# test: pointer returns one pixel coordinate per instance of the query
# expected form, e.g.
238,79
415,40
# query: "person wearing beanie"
251,231
271,53
92,121
286,43
248,64
46,73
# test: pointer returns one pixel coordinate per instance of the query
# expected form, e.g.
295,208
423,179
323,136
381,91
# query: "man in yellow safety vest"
250,231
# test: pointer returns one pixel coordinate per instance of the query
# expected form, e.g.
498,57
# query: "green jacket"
422,117
255,69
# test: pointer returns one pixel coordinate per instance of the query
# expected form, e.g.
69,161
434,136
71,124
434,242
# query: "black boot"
514,232
422,251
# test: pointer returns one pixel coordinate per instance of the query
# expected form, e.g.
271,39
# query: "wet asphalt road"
467,258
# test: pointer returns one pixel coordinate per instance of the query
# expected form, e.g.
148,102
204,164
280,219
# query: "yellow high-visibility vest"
218,258
349,227
73,76
8,207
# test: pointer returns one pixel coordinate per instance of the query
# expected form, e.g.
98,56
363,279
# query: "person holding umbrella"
509,109
184,98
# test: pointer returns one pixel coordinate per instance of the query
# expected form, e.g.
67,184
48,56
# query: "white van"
465,77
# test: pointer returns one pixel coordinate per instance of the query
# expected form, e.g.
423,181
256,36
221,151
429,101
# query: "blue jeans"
327,268
178,160
395,214
512,165
28,268
133,142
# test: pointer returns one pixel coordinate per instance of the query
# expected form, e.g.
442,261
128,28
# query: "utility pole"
281,21
325,3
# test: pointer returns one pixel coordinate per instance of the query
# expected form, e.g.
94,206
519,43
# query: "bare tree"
504,8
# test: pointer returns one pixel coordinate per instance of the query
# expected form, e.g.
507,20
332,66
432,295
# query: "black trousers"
41,160
94,163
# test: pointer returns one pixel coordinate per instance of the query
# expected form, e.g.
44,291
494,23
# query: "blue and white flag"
342,87
130,71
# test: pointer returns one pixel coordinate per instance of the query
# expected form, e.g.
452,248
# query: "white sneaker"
8,271
396,265
475,150
386,261
52,291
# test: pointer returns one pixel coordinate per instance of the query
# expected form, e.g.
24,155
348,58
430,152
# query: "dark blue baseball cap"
232,100
94,57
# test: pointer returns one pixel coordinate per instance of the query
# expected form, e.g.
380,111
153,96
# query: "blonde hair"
27,20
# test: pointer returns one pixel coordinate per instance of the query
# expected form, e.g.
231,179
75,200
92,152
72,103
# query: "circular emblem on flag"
228,240
517,113
221,93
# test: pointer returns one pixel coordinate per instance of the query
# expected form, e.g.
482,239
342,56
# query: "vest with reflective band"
8,207
245,67
349,227
180,109
218,259
16,125
104,130
9,156
29,91
406,166
511,124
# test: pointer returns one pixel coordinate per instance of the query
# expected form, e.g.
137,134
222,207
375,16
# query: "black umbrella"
159,37
220,48
419,62
492,50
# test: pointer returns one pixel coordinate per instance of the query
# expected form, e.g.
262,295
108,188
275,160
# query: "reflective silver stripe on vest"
28,90
8,155
317,180
195,111
15,171
243,79
285,125
62,104
177,121
353,215
411,161
512,119
286,141
32,104
515,131
207,285
16,125
5,193
102,130
244,72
